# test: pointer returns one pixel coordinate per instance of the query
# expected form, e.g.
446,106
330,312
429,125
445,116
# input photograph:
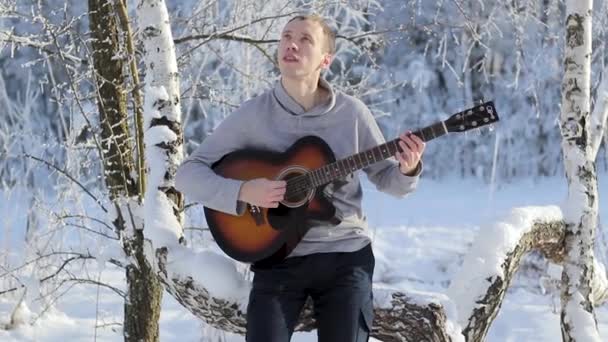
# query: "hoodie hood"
292,107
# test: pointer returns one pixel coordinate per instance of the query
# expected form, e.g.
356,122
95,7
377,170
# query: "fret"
423,136
444,127
339,169
351,165
391,146
369,157
345,167
440,128
313,176
359,159
385,151
360,163
397,147
377,154
330,172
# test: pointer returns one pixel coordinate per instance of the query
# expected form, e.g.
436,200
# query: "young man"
333,264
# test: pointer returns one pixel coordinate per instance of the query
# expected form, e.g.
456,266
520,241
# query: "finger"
405,136
406,133
400,159
278,191
418,141
407,152
411,143
278,185
403,161
277,197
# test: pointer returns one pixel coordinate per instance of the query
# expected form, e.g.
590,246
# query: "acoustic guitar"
267,235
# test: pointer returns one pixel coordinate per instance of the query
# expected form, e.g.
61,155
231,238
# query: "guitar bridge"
258,215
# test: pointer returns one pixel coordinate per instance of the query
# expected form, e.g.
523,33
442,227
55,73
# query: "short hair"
330,34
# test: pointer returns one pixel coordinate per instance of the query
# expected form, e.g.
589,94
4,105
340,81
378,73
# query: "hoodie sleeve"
385,175
199,182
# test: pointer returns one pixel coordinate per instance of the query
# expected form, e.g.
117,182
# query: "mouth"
290,59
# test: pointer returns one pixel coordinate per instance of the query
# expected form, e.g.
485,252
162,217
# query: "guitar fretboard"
343,167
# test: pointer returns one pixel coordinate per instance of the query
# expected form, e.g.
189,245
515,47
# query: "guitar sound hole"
298,191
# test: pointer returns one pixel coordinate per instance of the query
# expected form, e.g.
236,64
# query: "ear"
326,61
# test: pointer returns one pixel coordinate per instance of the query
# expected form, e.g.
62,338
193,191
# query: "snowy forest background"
412,62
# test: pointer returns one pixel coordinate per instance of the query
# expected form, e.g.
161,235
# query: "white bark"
580,213
599,117
162,129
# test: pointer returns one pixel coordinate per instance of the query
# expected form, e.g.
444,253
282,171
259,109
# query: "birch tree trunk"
144,294
580,213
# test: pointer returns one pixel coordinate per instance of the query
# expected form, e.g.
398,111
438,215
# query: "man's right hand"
263,192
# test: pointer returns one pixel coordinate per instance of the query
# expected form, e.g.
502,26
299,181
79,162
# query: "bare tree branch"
65,173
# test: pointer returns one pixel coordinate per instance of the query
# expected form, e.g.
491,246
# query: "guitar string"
301,184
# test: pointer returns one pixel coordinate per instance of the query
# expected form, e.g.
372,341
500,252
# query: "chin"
291,73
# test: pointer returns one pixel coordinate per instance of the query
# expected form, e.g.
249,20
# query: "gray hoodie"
274,121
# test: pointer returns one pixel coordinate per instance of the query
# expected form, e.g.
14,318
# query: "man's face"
302,49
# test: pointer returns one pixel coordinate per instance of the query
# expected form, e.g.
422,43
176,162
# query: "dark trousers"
340,285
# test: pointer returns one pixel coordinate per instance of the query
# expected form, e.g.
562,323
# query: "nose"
291,46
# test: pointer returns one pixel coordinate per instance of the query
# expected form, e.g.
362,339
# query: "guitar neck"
341,168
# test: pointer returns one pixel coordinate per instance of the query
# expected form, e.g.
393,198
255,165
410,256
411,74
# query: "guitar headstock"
474,117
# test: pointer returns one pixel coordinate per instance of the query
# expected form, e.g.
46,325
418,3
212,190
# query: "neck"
306,92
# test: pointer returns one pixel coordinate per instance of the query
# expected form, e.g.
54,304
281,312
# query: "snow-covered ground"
419,243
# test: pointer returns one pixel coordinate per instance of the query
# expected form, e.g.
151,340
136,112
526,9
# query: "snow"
421,243
488,253
433,245
219,276
581,321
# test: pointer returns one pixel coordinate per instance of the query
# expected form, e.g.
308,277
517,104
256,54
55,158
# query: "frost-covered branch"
218,295
70,177
55,274
489,268
250,40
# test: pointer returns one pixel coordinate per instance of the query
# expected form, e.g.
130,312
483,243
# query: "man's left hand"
412,148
